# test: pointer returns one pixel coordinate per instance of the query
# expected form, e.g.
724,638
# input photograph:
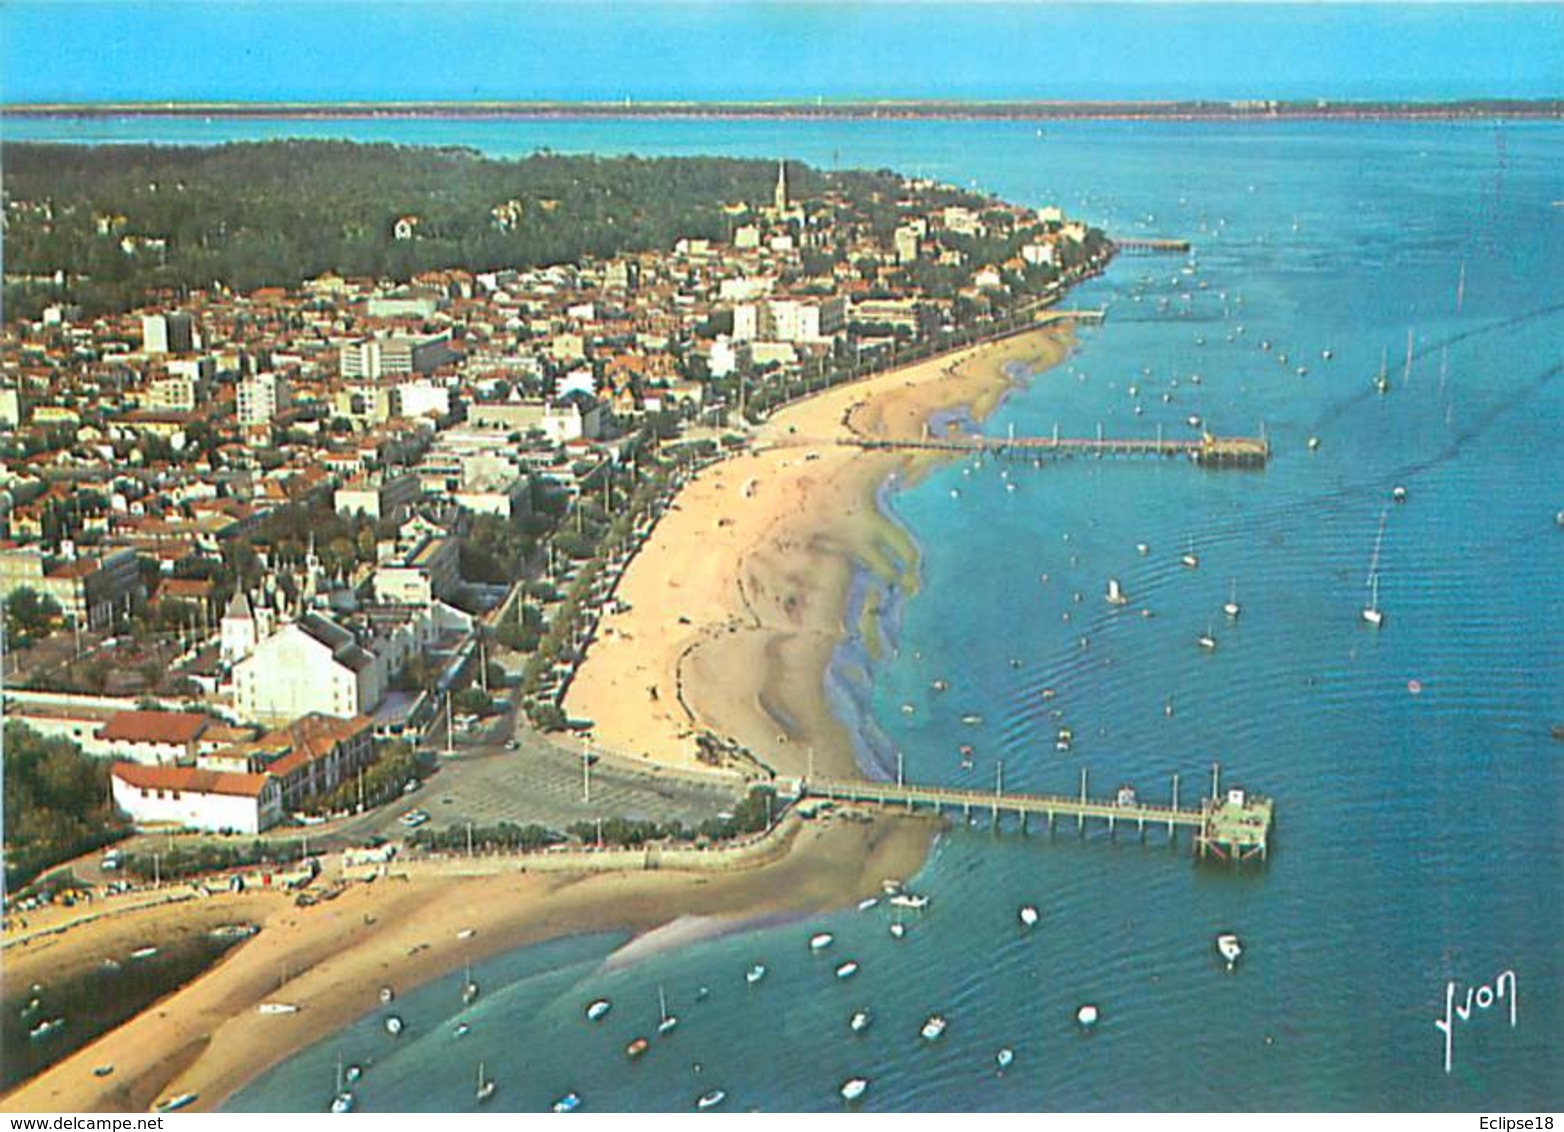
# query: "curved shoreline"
742,600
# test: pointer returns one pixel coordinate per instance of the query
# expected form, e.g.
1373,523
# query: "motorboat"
1086,1017
868,902
277,1008
847,970
45,1028
387,994
171,1104
597,1008
486,1086
1372,614
711,1099
1231,606
1398,494
1028,915
1229,948
469,989
636,1047
394,1025
755,974
933,1028
461,1030
1063,740
568,1103
910,900
898,929
820,941
860,1021
1004,1057
854,1088
667,1021
972,719
1116,595
1206,640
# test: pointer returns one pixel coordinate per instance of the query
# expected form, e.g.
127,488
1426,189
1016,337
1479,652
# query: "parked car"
414,818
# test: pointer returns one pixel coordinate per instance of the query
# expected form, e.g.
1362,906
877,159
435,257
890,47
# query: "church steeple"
781,194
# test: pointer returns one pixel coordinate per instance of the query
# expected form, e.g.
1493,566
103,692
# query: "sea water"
1417,789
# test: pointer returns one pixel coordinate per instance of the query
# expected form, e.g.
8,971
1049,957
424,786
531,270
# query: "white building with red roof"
197,799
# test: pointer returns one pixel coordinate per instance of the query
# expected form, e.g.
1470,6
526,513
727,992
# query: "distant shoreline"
1248,110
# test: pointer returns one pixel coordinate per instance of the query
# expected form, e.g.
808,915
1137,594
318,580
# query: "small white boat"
1372,614
854,1088
45,1028
1064,739
941,685
568,1103
387,994
342,1102
1142,549
469,989
972,719
1116,595
102,1070
277,1008
1398,494
597,1008
1086,1017
898,929
354,1072
1028,915
860,1021
1191,560
868,902
933,1029
394,1025
1206,640
755,974
668,1021
461,1031
183,1100
1314,443
143,953
910,900
1004,1057
821,940
1231,606
466,933
711,1099
486,1086
847,970
1229,948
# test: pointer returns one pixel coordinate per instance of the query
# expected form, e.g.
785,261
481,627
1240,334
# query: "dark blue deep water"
1418,831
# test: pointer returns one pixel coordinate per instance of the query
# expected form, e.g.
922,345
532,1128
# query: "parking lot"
540,783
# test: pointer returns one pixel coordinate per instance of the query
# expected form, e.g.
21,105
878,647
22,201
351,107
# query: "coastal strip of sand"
329,960
738,601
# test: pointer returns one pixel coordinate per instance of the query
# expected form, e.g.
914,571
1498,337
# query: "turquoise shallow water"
1417,836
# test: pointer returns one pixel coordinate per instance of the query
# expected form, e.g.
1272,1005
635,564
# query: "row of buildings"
141,451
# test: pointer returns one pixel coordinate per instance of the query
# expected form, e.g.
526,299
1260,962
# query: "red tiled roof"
154,727
189,780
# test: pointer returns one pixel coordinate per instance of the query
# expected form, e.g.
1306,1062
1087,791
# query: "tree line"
122,222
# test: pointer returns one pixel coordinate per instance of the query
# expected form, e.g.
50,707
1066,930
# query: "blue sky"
181,50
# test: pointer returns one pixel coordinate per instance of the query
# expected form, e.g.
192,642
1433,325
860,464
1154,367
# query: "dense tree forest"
56,803
120,222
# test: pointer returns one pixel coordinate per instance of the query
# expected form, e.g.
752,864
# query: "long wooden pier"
1150,246
1206,450
1234,827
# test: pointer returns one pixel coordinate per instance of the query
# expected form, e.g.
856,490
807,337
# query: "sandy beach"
735,607
737,602
331,959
